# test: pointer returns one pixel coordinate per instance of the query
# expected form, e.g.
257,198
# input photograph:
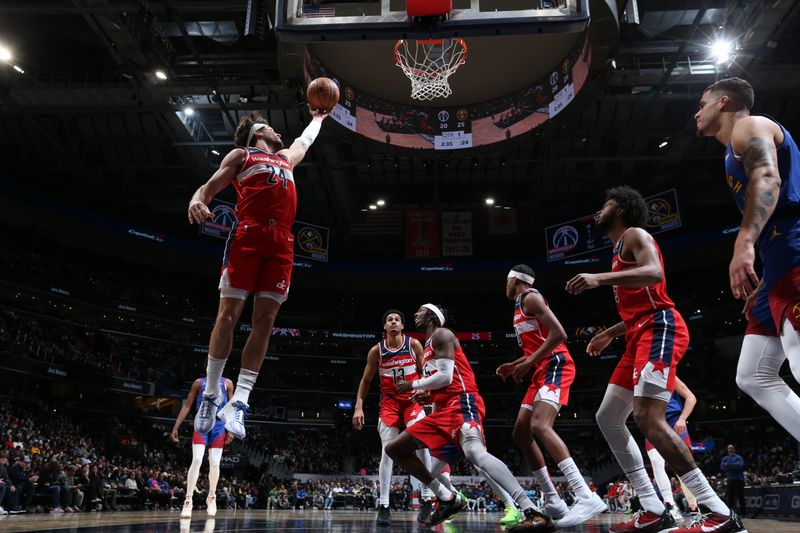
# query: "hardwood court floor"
261,520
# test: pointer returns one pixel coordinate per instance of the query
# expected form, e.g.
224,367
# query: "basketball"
322,94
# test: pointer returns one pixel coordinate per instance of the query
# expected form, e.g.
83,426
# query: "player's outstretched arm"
363,387
297,151
198,205
184,412
754,139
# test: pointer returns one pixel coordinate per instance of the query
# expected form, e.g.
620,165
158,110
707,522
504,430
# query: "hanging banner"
581,235
422,234
457,233
311,241
223,217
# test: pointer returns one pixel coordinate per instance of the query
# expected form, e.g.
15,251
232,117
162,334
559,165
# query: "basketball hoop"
428,64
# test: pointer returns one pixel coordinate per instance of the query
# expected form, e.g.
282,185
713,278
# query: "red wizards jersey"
530,333
463,378
396,366
634,303
265,191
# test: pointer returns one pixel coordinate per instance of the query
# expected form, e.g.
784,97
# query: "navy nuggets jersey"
779,242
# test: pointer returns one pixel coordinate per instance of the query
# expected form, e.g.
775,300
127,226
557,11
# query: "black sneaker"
534,521
425,511
447,510
384,518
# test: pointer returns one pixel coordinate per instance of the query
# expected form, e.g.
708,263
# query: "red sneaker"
645,522
715,523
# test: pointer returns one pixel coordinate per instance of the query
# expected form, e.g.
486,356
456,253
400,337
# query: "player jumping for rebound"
541,337
656,339
396,358
258,256
215,440
762,165
457,422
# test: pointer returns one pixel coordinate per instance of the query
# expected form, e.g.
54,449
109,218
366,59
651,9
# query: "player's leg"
214,458
474,449
198,450
413,413
512,515
662,479
402,450
271,288
387,435
757,375
536,422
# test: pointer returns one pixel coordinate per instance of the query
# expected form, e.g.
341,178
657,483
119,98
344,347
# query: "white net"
428,64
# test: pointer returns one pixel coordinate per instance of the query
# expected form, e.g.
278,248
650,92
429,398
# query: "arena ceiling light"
489,201
373,207
188,111
5,53
721,50
663,143
161,75
381,203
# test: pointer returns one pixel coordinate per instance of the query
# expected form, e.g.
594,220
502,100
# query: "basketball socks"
705,495
247,378
475,452
574,478
662,479
213,373
425,456
758,376
645,491
442,492
542,477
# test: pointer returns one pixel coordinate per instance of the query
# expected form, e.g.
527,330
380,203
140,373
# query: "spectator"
53,479
300,498
5,481
22,484
75,493
733,468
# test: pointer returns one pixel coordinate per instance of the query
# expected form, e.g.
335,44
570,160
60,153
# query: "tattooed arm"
755,138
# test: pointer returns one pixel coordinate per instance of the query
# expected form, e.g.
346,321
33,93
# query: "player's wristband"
310,133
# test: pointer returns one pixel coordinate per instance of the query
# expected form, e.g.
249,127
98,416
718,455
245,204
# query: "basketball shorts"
672,419
655,346
258,259
551,381
213,439
761,322
440,431
779,248
400,413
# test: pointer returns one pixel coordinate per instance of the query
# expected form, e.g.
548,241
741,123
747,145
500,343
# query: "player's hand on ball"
358,418
198,212
598,343
504,370
404,386
174,435
582,282
319,113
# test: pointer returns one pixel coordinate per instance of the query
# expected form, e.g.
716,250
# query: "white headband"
436,311
525,278
257,126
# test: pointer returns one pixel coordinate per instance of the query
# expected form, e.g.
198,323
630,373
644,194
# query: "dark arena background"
114,112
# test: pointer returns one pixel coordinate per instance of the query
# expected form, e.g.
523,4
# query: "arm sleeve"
441,378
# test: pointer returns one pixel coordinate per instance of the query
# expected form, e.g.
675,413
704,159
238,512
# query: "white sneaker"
556,510
206,414
234,414
211,504
186,512
676,514
582,510
3,511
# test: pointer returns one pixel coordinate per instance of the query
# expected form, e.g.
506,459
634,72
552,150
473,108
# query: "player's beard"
604,223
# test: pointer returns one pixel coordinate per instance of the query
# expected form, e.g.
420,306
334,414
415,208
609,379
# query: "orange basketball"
322,94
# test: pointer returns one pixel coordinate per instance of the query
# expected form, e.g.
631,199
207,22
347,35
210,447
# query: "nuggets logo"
462,114
796,310
659,213
349,94
310,240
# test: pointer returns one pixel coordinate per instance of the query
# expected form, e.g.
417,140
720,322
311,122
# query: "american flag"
312,11
380,222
